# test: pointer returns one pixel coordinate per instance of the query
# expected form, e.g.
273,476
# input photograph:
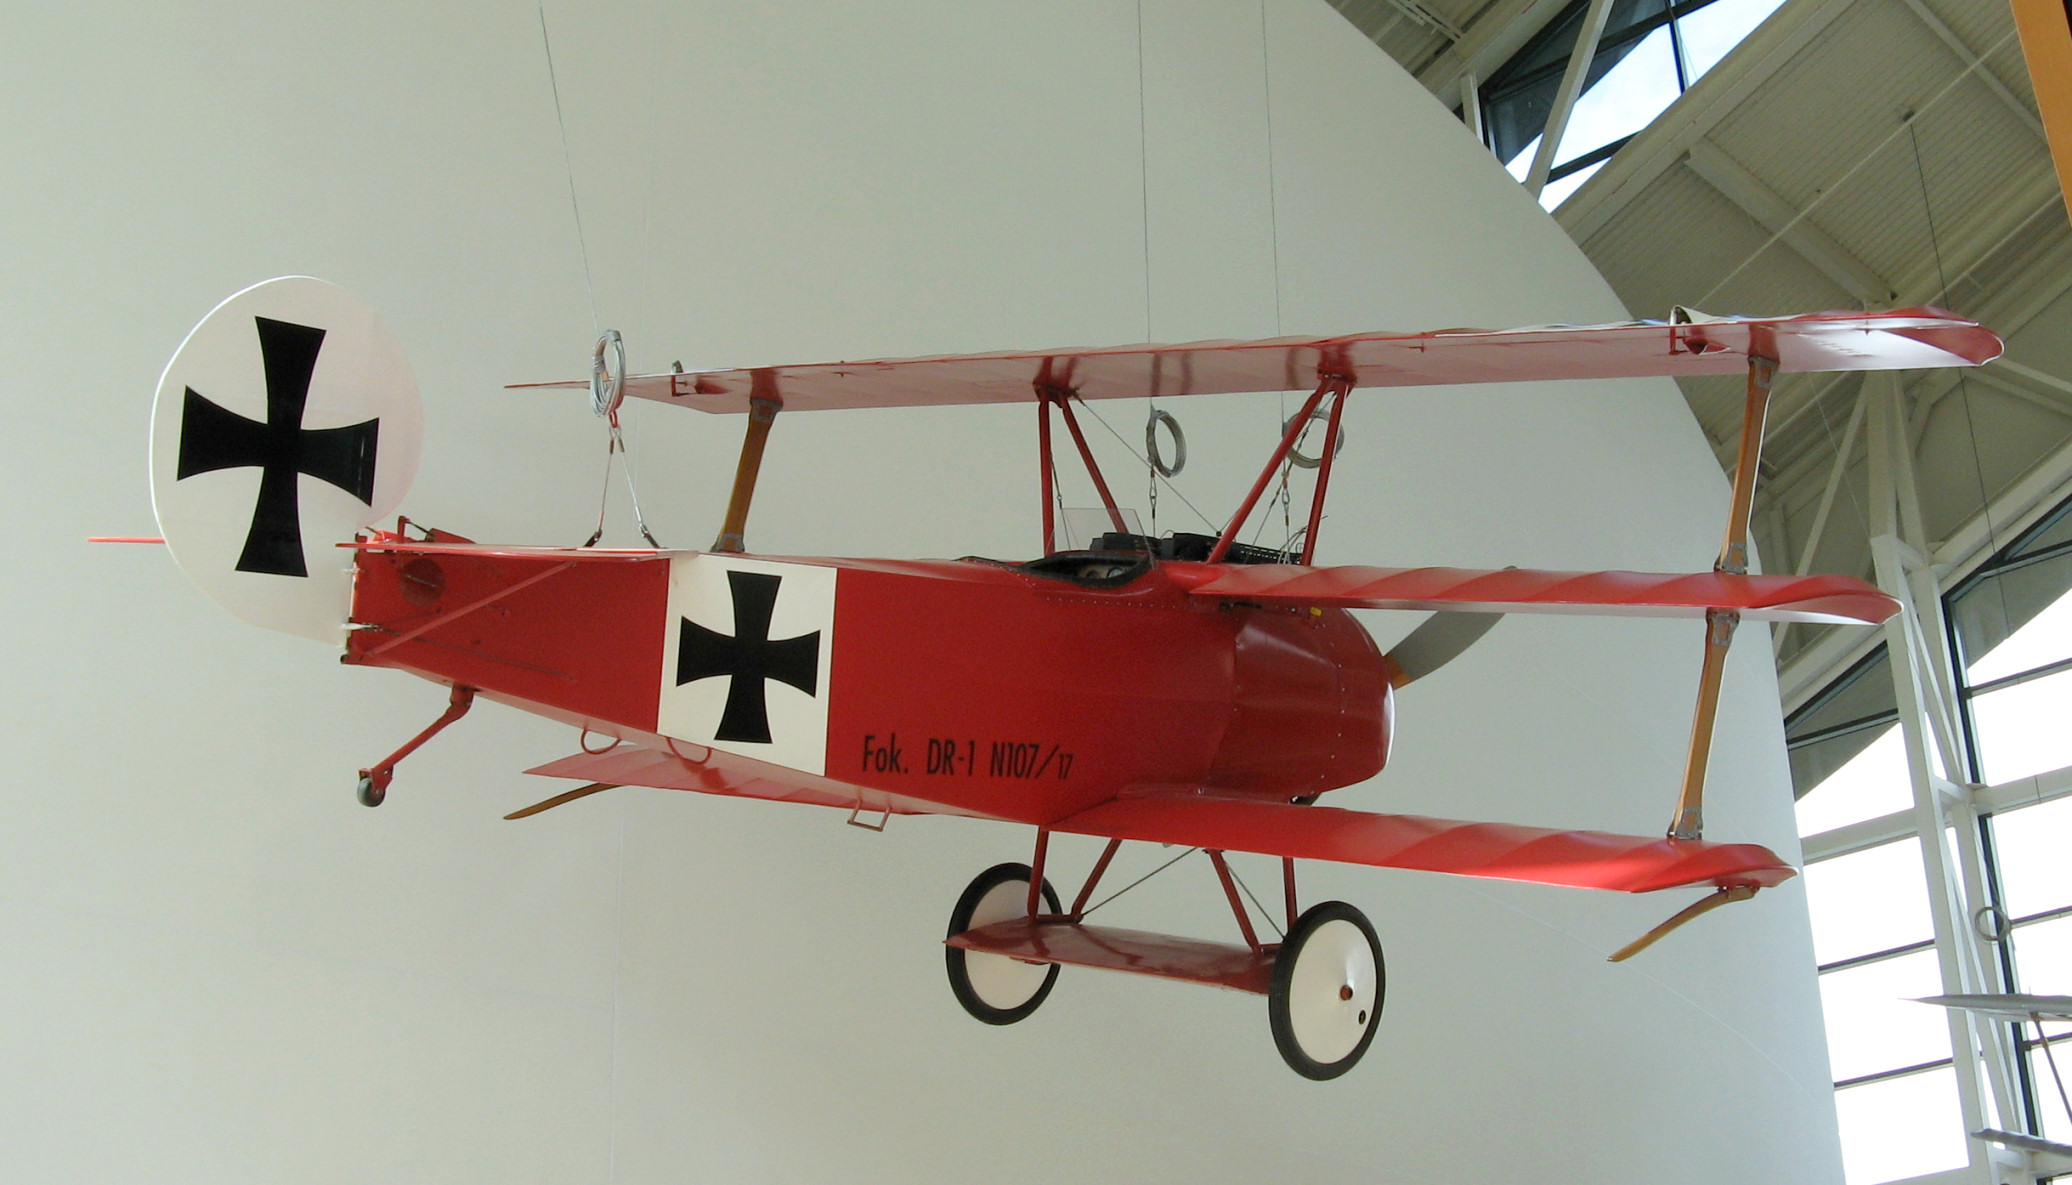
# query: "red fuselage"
1020,692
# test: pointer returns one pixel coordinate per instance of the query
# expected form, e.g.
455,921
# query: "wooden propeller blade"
1702,905
559,799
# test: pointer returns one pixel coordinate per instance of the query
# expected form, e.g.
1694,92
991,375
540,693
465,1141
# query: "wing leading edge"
1502,851
1902,339
1822,599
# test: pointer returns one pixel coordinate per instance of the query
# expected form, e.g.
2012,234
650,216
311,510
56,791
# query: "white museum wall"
216,966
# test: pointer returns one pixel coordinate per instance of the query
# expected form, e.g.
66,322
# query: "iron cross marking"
749,656
212,438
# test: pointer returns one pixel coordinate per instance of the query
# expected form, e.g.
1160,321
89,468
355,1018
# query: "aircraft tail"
285,423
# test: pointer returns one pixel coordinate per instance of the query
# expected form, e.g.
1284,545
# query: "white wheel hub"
997,980
1331,991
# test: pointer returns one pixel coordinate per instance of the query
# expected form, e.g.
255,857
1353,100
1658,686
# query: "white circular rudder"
285,423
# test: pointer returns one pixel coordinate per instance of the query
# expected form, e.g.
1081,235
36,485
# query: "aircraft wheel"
1328,981
369,793
995,988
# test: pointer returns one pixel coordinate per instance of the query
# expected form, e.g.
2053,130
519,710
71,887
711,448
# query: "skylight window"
1650,52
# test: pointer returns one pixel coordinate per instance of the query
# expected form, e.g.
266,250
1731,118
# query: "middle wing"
1578,859
1827,600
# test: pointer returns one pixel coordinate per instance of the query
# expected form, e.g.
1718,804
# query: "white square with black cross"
746,653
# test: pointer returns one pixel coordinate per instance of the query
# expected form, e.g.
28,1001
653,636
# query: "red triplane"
1186,690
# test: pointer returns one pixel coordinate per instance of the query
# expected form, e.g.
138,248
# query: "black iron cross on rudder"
750,657
212,438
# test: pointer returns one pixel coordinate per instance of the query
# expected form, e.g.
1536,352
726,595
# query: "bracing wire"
1263,911
1273,211
1156,476
1978,467
1140,880
615,444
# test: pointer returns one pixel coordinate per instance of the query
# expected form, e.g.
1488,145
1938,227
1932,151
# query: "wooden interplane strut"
1689,821
762,412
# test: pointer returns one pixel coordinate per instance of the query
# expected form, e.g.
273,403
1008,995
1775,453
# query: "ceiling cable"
568,165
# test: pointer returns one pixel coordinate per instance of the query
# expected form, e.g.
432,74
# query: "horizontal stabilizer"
1822,599
397,545
1901,339
709,771
1502,851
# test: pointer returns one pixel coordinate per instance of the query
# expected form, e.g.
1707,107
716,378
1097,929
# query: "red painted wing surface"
1897,340
1824,599
1503,851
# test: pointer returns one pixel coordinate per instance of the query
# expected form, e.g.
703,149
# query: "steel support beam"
1944,816
1774,214
1565,97
1744,73
1501,30
1970,58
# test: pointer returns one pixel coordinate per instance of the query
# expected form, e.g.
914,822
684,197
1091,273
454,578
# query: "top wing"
1903,339
1828,600
1577,859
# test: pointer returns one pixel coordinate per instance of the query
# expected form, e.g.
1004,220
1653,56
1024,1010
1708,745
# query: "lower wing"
1503,851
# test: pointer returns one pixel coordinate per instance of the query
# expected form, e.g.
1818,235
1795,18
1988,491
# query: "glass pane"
1872,783
2031,845
2045,638
1557,191
2021,729
2015,621
1718,27
1868,901
1520,93
1863,693
1873,1022
1520,164
1629,96
1902,1127
1516,120
2043,958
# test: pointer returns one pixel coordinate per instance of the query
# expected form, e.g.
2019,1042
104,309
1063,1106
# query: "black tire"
1311,1029
369,793
960,962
